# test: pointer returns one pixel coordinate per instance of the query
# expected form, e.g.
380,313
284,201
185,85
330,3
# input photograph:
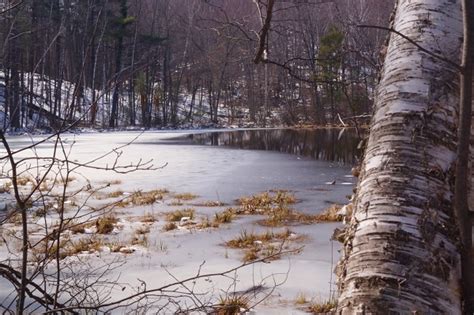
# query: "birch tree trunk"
471,164
401,250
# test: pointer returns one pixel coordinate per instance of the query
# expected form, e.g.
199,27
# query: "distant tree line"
152,63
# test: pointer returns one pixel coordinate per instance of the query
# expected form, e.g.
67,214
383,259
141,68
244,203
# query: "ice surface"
224,174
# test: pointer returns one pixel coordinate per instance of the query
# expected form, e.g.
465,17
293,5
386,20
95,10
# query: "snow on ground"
213,173
45,88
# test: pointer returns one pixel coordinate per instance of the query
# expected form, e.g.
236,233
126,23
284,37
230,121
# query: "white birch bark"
401,251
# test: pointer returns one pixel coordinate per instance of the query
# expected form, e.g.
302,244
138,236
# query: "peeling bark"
401,250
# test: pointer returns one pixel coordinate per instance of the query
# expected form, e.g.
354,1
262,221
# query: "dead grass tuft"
45,186
177,215
140,240
224,217
112,182
105,225
139,198
24,180
114,194
301,299
185,196
63,180
170,226
207,224
330,214
88,245
14,218
263,245
285,216
48,249
176,203
142,230
251,254
78,229
6,187
42,210
232,305
209,203
148,218
246,239
265,203
147,198
115,247
327,307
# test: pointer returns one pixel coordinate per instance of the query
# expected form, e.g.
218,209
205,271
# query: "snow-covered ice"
223,174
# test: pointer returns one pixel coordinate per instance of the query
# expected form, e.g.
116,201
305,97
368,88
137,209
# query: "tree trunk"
113,121
14,91
471,186
461,196
401,250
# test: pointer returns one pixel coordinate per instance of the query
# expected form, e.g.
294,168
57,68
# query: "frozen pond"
220,173
224,167
335,145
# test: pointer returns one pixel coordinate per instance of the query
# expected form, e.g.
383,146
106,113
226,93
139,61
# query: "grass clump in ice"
330,214
281,216
139,198
285,216
114,194
232,305
170,226
49,250
140,240
43,210
147,197
301,299
15,218
224,217
177,203
177,215
325,307
185,196
265,203
207,224
111,182
148,218
106,224
6,187
246,239
115,247
265,245
145,229
24,180
209,203
64,181
77,228
85,245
